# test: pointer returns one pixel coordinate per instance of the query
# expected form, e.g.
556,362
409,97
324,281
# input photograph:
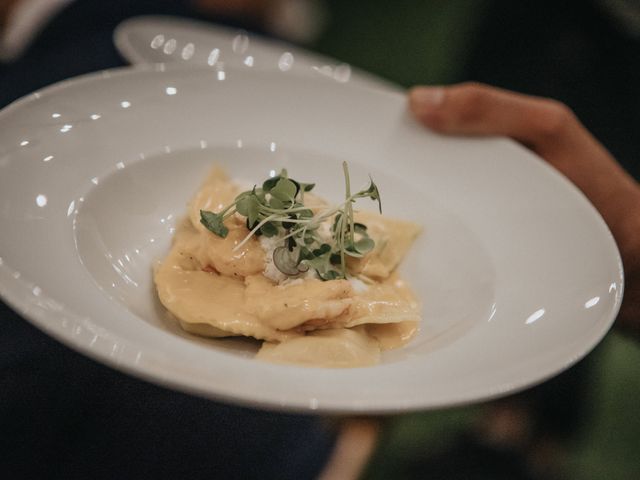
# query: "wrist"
626,232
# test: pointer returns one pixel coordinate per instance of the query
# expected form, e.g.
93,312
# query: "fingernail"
427,98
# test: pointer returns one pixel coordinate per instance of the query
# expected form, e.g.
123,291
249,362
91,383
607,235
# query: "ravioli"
196,297
334,348
393,239
219,287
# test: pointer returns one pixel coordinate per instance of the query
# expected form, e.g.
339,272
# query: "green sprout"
277,209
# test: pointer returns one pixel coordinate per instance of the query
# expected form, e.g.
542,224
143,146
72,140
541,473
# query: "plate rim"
130,54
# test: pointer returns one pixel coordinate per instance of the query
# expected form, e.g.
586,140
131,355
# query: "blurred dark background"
585,424
586,54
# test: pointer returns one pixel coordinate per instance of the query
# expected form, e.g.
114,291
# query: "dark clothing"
65,416
79,40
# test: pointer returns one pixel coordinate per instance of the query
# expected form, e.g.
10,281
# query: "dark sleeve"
63,415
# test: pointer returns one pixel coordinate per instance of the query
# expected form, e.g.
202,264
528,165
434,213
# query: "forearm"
5,10
615,194
627,235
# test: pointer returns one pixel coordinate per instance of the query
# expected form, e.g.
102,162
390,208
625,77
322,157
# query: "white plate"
178,41
518,273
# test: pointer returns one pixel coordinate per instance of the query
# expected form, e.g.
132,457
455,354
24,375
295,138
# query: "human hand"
6,7
550,129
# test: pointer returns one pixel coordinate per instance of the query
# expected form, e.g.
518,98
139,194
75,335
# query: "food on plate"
317,283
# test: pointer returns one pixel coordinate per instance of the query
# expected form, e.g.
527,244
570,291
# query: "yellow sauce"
214,289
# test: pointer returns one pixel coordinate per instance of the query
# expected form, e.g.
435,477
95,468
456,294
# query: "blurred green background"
408,41
430,42
606,446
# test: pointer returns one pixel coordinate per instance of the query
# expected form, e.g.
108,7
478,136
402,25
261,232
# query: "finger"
550,129
476,109
547,127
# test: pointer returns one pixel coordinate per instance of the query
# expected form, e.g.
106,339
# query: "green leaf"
360,228
324,248
243,195
269,229
360,247
254,210
318,261
249,206
365,245
242,205
329,275
322,264
276,203
270,183
304,254
336,223
374,193
297,184
351,251
251,226
287,225
214,223
260,194
284,190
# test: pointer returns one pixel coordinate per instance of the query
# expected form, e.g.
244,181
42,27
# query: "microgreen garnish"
213,223
277,208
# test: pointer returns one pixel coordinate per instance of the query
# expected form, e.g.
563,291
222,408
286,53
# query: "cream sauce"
287,306
198,297
215,290
393,239
336,348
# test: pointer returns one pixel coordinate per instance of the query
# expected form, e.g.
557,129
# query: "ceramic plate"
182,42
518,274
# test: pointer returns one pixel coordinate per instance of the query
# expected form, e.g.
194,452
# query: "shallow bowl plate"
181,42
518,274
